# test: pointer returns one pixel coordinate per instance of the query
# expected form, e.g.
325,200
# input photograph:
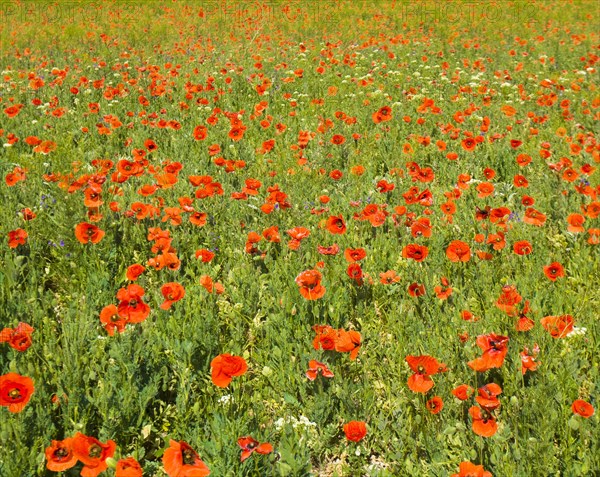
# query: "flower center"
14,394
188,457
95,451
61,453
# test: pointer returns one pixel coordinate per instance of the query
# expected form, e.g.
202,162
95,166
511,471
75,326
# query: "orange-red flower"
18,338
494,349
110,318
509,299
86,233
415,251
522,247
17,237
132,306
558,326
180,460
416,289
92,453
389,277
463,392
355,254
309,282
355,430
348,342
575,223
205,255
172,292
458,251
423,366
134,271
250,445
524,323
225,367
534,217
315,367
554,271
60,456
528,361
15,391
468,469
128,467
336,224
582,408
484,423
487,397
355,272
325,337
435,405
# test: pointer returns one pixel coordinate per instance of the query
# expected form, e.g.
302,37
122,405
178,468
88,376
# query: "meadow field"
299,238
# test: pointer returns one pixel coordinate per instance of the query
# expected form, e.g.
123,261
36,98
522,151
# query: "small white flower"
226,399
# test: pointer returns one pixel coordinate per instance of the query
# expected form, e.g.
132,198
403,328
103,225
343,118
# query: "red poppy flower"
110,318
15,391
458,251
554,271
558,326
582,408
87,233
355,430
205,255
250,445
325,337
309,282
128,467
423,366
444,290
487,397
485,189
575,223
528,361
315,367
180,460
416,289
348,342
134,271
508,299
336,225
131,306
468,469
463,392
225,367
172,292
534,217
415,251
389,277
494,349
435,405
17,237
484,423
469,144
522,247
355,254
92,453
355,272
60,456
338,139
523,159
331,250
524,323
18,338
